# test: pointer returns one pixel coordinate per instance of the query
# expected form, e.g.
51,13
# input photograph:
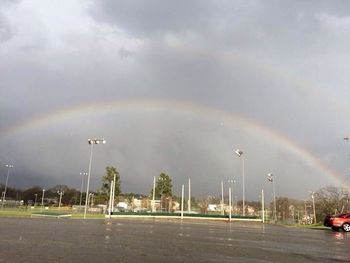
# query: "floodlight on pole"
8,166
91,142
239,153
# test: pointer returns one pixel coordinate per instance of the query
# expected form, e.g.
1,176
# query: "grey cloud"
272,26
124,53
236,56
6,31
152,17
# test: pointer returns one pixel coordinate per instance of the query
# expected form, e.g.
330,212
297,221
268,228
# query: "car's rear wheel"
334,228
346,227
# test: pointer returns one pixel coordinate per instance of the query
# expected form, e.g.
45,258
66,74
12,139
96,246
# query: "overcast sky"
176,87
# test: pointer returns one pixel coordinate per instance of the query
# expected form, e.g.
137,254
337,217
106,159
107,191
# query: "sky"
176,87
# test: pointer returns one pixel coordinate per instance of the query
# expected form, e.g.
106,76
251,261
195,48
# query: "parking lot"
150,240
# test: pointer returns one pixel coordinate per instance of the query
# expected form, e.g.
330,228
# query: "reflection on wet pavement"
123,240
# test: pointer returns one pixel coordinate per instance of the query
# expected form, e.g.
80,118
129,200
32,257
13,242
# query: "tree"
32,193
107,178
163,186
282,205
163,191
331,200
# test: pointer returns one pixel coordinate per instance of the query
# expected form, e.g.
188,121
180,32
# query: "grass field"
27,213
22,212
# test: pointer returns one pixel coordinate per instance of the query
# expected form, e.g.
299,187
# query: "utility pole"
262,206
7,178
60,193
189,195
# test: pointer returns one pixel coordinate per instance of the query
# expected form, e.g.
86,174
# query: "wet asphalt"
154,240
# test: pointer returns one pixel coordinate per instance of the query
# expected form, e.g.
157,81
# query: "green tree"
107,178
164,186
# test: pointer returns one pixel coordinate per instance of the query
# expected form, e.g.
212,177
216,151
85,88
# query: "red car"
338,221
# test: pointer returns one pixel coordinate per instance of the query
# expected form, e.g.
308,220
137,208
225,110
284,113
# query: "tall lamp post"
42,200
82,185
232,181
91,142
60,193
240,154
189,195
7,178
271,179
36,197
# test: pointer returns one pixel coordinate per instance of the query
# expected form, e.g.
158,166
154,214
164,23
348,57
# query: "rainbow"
105,107
308,88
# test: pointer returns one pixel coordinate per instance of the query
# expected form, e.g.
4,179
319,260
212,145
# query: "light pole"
82,185
189,195
7,178
270,178
91,142
42,200
60,193
113,190
240,154
262,206
232,181
313,206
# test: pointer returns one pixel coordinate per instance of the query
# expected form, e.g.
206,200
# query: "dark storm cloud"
267,61
272,25
153,17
